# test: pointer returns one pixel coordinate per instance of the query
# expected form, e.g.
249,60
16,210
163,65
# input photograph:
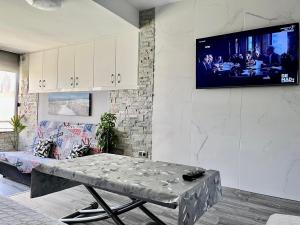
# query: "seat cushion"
65,136
24,161
46,130
280,219
71,135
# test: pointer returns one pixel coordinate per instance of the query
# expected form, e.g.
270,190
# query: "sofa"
18,165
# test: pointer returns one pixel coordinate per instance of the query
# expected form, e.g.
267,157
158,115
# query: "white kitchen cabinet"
105,63
49,81
116,62
84,66
66,67
35,72
127,52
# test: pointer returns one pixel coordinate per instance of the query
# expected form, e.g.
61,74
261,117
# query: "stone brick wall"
28,106
5,141
134,107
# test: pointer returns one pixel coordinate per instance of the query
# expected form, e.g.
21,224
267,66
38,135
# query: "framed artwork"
70,104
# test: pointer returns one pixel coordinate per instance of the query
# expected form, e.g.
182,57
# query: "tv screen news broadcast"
265,56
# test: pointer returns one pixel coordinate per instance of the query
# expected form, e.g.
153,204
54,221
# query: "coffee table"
142,181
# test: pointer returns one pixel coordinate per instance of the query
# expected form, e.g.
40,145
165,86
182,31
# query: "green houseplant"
106,133
18,127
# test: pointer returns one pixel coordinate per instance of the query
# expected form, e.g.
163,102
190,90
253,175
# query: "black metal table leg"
93,205
104,206
93,213
151,215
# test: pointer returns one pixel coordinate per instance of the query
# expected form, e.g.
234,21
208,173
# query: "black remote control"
193,175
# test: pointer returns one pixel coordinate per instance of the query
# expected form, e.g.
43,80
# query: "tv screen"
266,56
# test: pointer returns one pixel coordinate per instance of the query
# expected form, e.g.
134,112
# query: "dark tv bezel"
245,32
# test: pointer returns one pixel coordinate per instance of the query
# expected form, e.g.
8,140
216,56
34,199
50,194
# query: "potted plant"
18,127
106,133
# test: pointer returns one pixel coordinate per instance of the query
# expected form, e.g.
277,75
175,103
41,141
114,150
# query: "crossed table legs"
93,213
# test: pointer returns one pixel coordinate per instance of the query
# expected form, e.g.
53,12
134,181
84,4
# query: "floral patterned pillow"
79,151
70,135
46,130
44,147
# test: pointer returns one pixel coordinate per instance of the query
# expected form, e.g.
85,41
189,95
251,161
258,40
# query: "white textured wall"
123,9
250,134
9,62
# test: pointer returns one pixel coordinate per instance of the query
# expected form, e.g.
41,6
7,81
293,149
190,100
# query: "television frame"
251,31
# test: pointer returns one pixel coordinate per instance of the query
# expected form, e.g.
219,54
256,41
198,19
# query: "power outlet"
143,154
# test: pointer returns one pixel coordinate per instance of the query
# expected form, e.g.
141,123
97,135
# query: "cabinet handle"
119,78
77,78
76,84
72,78
72,84
112,78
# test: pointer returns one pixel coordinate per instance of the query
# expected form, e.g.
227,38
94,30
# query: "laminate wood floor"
236,208
9,188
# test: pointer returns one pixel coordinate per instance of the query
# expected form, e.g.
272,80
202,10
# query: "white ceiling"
147,4
26,29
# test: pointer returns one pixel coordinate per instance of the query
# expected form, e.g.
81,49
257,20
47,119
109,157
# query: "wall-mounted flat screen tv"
266,56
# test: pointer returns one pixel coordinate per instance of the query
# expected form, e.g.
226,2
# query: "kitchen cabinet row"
107,63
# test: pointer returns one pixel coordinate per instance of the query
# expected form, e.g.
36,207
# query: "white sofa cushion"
280,219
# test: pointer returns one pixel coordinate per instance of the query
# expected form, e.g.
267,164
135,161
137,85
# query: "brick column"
28,107
5,141
134,107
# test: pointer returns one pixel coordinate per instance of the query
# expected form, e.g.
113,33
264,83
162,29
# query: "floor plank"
9,188
236,208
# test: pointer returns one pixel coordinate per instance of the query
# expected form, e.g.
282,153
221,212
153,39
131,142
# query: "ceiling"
147,4
26,29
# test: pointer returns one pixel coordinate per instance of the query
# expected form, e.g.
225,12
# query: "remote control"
193,175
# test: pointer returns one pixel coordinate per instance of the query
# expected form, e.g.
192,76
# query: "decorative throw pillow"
79,150
43,148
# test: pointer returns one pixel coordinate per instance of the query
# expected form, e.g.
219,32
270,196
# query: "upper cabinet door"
127,51
35,72
66,66
84,66
49,81
105,63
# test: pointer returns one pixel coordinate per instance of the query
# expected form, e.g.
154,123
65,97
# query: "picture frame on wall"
70,104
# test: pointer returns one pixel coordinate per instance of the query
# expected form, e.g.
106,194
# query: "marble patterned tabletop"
156,182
